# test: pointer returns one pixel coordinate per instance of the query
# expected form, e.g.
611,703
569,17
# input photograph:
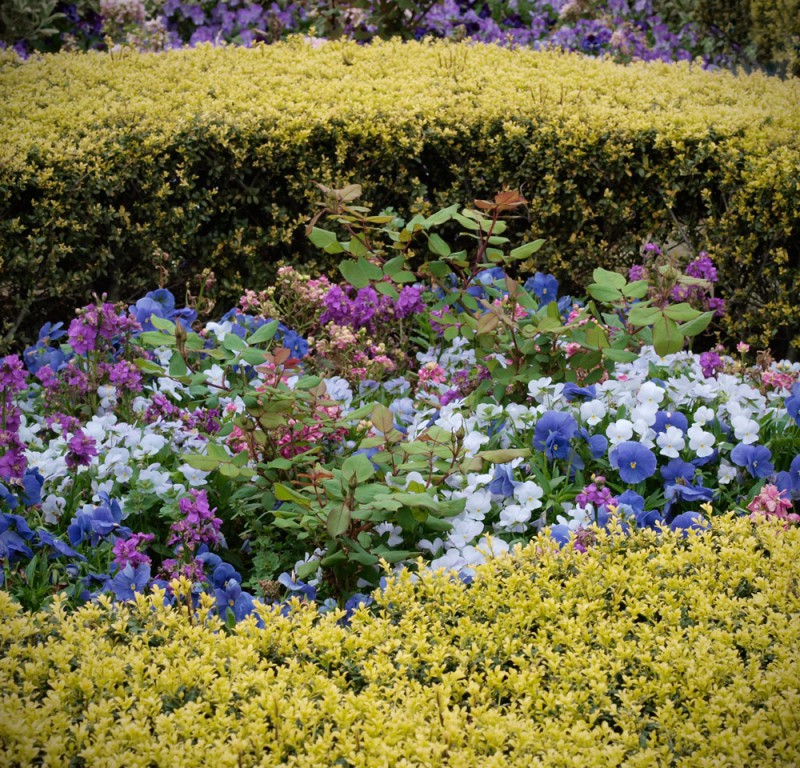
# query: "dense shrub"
115,165
644,651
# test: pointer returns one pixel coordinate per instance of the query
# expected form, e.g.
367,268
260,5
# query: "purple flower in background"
553,432
703,268
635,462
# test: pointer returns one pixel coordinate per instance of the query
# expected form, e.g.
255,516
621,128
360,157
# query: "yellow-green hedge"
209,155
646,651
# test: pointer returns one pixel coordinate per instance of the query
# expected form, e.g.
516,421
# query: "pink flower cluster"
771,503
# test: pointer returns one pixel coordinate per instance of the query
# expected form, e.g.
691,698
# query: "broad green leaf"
252,356
177,367
549,325
162,324
620,355
438,245
352,272
606,277
640,315
636,290
382,418
322,238
404,276
603,292
528,249
394,265
359,467
596,338
682,312
442,216
504,455
307,382
284,493
233,343
387,289
265,333
148,366
698,325
156,339
372,271
667,339
338,520
356,247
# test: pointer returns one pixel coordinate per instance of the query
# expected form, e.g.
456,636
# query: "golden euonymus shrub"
114,165
648,650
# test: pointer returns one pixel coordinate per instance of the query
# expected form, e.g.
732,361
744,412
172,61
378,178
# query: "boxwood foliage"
117,168
647,650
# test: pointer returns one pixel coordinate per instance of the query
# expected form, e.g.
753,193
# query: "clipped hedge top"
647,650
63,100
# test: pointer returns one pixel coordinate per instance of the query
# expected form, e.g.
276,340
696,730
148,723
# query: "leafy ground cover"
323,433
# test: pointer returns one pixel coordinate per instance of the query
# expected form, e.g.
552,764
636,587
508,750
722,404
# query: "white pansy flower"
745,429
726,472
529,495
671,442
593,412
195,477
53,507
473,442
514,518
619,431
700,441
650,395
215,376
703,415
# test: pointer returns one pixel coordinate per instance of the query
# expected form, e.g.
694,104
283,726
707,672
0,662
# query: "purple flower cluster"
198,525
82,449
12,382
367,307
130,551
98,321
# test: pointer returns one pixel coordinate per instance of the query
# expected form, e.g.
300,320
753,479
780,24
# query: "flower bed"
429,514
451,419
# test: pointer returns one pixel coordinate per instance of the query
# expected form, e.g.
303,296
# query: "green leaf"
504,455
393,266
438,245
156,339
382,418
667,339
352,272
233,343
322,238
284,493
636,290
177,366
698,325
606,277
372,271
148,366
620,355
643,315
528,249
252,355
359,467
338,520
162,324
265,333
387,289
404,276
307,382
682,312
603,292
442,216
356,247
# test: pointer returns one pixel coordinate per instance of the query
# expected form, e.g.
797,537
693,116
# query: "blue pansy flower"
293,341
47,539
544,287
95,524
635,462
756,459
792,403
689,521
503,483
561,533
224,573
572,392
553,432
678,469
598,444
293,584
666,419
14,532
231,598
130,580
354,602
32,482
9,499
161,303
